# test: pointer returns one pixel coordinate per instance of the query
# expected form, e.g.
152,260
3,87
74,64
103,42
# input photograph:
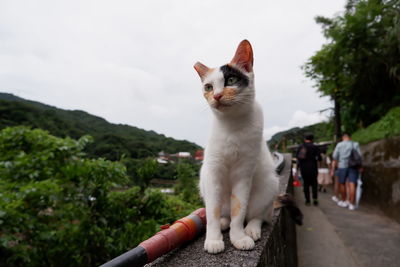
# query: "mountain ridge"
322,131
110,140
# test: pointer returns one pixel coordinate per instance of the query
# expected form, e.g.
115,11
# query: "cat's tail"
287,201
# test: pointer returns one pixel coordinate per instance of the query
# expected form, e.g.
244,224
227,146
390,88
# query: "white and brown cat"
237,180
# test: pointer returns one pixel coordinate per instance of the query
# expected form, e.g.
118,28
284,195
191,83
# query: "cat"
238,181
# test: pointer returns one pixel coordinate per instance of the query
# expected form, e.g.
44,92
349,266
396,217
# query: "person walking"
308,156
324,175
348,175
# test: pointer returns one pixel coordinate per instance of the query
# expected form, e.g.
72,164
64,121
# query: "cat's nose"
217,97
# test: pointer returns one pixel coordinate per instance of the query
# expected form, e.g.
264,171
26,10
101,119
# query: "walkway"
333,236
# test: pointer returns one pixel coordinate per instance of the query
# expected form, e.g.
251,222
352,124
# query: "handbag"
355,160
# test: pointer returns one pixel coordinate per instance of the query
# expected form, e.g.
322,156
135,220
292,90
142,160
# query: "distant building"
164,158
168,191
184,155
162,161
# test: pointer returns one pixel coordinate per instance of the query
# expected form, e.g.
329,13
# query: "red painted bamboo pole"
181,231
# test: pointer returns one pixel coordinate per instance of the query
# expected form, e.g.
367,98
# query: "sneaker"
342,204
335,199
352,207
315,202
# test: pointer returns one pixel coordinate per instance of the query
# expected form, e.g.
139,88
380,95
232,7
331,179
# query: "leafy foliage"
59,208
146,172
111,141
187,183
388,126
360,66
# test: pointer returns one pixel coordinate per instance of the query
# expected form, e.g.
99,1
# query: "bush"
386,127
58,208
187,183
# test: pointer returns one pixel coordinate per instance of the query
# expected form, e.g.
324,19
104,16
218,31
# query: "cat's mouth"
219,105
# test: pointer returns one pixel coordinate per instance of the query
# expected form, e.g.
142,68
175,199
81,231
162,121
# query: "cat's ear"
201,69
244,56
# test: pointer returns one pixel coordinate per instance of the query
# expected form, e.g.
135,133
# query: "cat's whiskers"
242,100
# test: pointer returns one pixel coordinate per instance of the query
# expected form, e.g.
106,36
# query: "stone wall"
277,246
381,178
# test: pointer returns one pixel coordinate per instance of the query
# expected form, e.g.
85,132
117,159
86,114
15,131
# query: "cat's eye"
231,80
208,87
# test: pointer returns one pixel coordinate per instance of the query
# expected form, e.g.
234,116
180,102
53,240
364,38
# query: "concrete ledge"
277,246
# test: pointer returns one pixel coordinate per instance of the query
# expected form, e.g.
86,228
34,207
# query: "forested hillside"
111,141
322,132
63,203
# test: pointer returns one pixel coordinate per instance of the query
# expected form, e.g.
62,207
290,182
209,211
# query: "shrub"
59,208
388,126
187,183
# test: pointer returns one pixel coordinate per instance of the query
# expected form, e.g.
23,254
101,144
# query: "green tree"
52,199
146,172
360,66
187,186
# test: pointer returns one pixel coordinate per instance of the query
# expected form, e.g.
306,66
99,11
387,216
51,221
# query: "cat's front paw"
244,243
254,231
214,246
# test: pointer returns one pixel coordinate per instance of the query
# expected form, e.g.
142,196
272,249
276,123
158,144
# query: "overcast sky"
132,62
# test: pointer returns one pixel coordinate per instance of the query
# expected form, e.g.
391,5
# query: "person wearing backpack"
347,160
308,156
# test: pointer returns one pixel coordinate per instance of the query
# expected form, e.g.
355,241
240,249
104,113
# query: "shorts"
347,175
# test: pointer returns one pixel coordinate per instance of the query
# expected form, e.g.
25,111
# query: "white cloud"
299,118
269,132
131,62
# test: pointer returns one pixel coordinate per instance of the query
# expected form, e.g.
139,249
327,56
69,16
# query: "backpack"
355,160
302,152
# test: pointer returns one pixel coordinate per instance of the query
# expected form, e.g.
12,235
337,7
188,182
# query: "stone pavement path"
333,236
